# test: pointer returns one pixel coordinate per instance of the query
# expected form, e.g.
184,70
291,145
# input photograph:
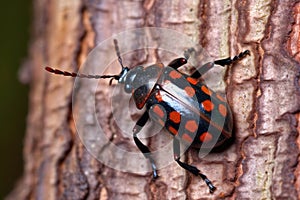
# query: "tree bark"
262,90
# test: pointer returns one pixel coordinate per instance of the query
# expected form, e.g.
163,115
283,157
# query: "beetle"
180,103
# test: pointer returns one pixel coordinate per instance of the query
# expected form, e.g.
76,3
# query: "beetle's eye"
128,88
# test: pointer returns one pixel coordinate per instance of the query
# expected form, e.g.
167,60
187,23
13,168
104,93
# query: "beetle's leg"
194,170
143,148
201,70
227,61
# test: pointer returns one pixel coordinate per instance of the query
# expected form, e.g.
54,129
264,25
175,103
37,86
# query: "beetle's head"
138,81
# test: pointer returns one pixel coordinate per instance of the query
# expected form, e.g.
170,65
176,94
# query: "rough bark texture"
263,91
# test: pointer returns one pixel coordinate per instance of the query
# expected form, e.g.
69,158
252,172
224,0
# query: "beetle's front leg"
227,61
143,148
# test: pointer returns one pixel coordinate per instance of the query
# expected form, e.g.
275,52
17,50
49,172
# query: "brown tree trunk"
262,90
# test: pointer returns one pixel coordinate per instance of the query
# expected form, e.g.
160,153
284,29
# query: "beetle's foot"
241,55
154,169
155,176
211,187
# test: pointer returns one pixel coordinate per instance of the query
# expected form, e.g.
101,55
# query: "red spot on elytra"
222,110
205,137
157,110
191,126
174,74
174,116
208,105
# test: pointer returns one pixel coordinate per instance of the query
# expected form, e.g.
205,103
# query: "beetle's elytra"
179,102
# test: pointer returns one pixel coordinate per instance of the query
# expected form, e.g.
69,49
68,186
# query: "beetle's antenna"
118,53
90,76
73,74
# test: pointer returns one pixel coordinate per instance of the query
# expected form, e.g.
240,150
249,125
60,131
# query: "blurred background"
15,16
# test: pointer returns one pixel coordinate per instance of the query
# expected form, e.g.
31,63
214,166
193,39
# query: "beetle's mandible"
180,103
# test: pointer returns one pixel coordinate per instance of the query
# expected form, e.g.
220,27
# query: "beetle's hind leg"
194,170
143,148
